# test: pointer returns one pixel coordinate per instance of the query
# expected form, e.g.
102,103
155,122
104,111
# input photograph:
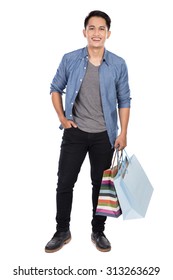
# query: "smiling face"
96,32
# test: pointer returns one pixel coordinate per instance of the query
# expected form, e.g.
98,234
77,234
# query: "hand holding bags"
133,188
108,204
125,189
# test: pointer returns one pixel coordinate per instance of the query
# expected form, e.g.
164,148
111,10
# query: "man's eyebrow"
102,26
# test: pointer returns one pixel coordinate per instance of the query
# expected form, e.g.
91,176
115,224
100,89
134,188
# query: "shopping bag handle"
127,155
119,158
123,163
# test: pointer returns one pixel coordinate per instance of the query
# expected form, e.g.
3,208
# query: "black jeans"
74,147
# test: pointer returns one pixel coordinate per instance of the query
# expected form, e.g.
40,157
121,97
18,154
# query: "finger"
117,145
73,124
119,148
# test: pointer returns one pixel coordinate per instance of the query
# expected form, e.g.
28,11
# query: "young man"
96,81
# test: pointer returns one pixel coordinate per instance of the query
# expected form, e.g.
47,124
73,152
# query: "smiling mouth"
96,39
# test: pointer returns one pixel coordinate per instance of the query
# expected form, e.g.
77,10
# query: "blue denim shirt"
114,87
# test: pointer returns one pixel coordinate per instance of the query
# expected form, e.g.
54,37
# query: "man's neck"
95,55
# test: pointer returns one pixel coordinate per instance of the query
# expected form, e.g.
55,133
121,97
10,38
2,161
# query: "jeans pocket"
68,128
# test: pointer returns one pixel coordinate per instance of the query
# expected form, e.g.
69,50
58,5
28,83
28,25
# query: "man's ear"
84,32
109,34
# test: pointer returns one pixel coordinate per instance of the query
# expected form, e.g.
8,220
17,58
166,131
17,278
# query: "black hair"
98,13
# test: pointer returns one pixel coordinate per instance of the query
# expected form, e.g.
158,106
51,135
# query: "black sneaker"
58,241
101,242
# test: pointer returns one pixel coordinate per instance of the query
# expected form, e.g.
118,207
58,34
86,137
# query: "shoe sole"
100,249
59,248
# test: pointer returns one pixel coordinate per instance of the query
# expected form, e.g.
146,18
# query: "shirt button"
76,91
70,115
84,67
80,80
72,103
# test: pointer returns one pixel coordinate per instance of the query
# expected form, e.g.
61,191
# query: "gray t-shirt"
87,110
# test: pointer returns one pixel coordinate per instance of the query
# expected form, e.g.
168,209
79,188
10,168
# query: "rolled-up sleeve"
123,90
59,81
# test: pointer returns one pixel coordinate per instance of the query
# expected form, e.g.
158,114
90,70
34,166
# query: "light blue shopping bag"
133,188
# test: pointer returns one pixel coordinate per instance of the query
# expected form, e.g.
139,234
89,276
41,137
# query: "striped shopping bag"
108,204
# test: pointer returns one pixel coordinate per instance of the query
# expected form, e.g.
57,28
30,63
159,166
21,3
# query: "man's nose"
96,31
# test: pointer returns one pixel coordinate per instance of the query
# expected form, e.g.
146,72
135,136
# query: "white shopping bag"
133,188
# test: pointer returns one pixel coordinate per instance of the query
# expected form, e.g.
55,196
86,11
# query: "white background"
34,36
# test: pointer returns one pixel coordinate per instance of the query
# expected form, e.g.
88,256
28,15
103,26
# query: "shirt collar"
85,55
105,57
